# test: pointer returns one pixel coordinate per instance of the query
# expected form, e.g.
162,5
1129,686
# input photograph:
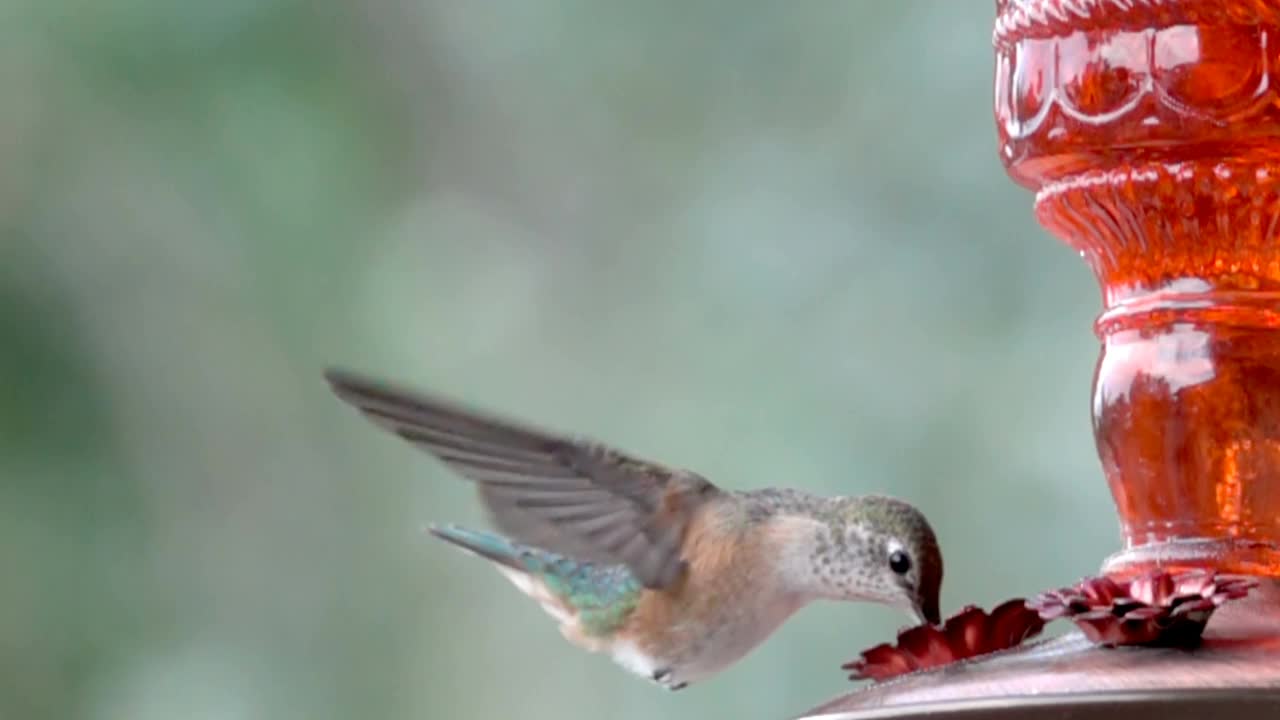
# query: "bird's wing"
575,497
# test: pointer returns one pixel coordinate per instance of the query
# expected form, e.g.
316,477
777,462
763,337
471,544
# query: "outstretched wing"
575,497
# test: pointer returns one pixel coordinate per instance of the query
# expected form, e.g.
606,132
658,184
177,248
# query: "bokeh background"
768,241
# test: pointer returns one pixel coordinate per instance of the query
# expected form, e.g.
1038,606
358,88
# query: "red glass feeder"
1149,131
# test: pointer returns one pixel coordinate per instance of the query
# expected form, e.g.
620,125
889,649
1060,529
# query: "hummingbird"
671,576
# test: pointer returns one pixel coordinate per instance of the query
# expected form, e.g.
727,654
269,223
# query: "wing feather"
572,496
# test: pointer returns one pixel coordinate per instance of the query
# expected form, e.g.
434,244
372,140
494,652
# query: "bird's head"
875,549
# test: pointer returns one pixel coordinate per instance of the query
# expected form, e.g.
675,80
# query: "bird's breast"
729,600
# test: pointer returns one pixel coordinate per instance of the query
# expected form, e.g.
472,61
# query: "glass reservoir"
1149,133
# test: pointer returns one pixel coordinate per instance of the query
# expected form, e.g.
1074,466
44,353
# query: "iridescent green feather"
603,595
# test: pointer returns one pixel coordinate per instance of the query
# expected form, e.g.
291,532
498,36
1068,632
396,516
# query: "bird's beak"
926,611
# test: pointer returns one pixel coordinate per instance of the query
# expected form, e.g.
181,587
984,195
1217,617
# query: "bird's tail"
486,545
535,572
596,599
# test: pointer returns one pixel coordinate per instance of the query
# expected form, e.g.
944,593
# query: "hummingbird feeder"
1149,131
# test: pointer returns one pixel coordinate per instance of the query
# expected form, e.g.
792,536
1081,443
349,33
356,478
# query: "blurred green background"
768,241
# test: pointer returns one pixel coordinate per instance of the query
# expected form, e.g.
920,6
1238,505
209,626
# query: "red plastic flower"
1157,608
968,633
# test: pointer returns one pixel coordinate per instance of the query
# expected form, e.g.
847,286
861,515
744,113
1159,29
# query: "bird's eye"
899,562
